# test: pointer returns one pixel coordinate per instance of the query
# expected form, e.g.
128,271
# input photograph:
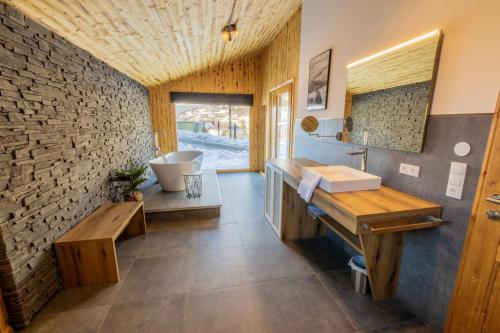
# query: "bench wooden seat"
86,254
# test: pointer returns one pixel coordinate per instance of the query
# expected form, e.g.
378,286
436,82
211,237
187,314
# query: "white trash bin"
359,275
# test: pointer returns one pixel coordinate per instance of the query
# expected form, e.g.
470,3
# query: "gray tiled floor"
229,274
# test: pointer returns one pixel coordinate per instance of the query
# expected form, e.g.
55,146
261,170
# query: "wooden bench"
86,254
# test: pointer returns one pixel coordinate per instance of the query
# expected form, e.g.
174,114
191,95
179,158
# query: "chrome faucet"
364,161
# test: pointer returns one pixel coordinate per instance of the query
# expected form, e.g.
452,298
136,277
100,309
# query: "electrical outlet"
409,170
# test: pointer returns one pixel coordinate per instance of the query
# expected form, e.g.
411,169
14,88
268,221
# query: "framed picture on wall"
317,87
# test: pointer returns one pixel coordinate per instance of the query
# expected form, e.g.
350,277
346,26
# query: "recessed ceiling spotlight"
229,32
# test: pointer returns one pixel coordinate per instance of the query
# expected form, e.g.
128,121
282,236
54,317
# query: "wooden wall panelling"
240,77
280,59
280,64
156,41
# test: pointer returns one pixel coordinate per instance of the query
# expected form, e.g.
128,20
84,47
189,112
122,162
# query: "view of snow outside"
219,131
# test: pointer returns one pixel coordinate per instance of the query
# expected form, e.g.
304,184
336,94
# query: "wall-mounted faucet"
364,161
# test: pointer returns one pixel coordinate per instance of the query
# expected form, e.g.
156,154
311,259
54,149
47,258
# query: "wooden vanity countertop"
352,209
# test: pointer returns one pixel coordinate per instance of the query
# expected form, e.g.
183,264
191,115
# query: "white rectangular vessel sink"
340,178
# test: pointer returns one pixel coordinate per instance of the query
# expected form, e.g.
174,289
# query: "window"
221,132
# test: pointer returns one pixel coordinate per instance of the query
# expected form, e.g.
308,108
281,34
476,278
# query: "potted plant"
129,181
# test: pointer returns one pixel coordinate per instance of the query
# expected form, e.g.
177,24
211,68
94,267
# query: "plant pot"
134,196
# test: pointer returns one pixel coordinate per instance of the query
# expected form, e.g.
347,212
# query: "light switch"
456,180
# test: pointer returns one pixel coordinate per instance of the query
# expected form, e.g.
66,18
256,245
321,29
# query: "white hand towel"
307,185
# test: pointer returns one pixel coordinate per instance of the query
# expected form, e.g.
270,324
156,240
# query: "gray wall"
431,257
66,120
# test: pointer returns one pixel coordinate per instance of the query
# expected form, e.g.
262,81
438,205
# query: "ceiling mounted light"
229,32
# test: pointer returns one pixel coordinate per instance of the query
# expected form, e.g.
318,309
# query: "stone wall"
395,118
66,120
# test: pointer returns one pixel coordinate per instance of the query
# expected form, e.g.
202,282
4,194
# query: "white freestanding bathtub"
169,168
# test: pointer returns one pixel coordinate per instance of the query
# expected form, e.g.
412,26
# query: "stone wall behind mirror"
389,95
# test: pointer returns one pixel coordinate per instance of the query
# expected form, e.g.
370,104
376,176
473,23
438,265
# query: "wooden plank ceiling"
155,41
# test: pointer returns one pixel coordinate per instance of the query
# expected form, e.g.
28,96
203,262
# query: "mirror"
389,95
309,124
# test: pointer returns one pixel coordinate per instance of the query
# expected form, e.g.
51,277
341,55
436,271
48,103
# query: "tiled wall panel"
431,257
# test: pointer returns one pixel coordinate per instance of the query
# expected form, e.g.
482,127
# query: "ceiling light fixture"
229,32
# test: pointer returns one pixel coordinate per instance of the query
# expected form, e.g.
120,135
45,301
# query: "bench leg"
87,263
137,224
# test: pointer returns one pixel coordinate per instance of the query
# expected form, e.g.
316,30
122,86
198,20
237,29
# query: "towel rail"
400,225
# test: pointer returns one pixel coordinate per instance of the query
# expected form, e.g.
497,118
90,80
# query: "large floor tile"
269,262
243,198
226,215
242,188
129,247
126,252
248,212
287,305
257,233
321,253
77,321
410,326
217,237
82,298
229,310
218,268
155,277
160,316
227,274
168,242
300,305
361,310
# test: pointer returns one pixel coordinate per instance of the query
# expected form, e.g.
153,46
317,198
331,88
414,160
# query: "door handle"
493,214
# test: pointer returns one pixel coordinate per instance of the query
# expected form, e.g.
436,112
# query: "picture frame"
317,84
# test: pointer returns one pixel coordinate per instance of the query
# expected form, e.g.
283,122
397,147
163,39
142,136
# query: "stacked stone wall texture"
66,120
395,118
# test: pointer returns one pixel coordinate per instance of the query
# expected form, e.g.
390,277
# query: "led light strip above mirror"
394,48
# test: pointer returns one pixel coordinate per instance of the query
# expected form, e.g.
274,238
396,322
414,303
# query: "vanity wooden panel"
352,209
373,222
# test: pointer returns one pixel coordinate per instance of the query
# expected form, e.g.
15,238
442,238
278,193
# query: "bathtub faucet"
158,154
